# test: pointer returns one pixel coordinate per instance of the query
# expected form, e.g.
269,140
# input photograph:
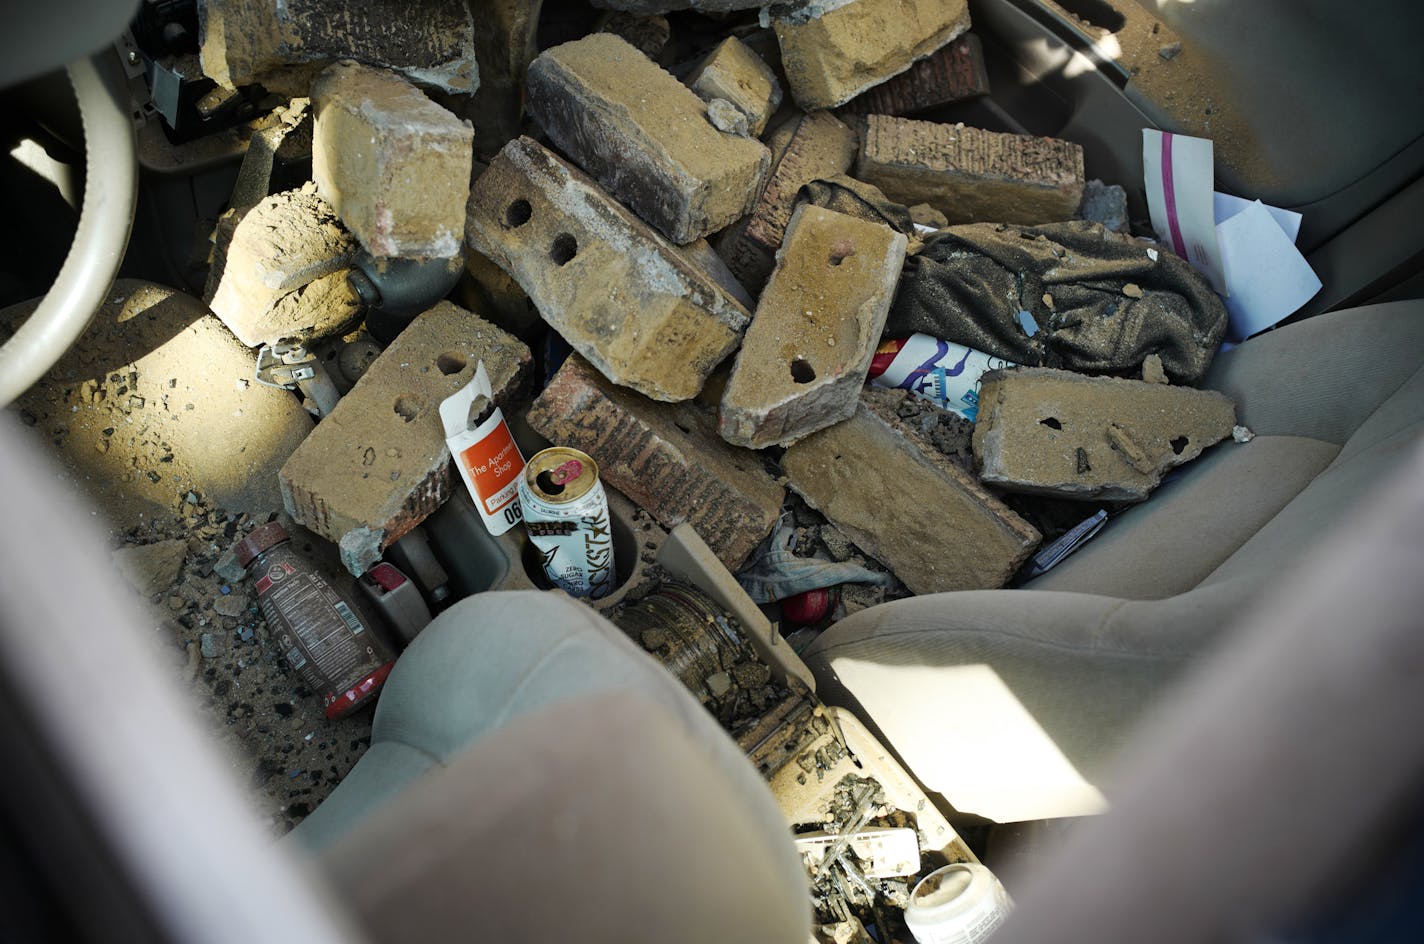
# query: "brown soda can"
323,636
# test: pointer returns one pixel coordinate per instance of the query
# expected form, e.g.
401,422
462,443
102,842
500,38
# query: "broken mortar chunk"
1054,432
282,244
734,73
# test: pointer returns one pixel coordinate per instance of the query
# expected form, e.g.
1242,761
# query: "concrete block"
377,465
283,45
1055,432
815,146
616,290
394,165
905,504
805,357
833,50
736,74
644,136
950,74
285,242
666,457
972,175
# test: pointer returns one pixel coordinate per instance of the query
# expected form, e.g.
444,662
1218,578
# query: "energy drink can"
942,372
566,515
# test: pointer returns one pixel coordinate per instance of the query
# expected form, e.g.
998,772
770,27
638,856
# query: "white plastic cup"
958,904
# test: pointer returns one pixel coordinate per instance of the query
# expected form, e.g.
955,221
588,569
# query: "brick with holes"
1055,432
377,465
969,174
640,309
664,456
906,504
808,350
813,146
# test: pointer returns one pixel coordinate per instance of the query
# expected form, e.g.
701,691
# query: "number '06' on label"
485,453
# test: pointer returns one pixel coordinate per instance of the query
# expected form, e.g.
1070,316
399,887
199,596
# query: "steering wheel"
102,236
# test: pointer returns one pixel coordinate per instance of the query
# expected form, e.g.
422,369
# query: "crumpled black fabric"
969,283
858,199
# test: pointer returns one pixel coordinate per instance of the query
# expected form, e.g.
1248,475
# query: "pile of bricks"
651,215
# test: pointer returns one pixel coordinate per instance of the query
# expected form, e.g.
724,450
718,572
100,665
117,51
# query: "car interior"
1196,727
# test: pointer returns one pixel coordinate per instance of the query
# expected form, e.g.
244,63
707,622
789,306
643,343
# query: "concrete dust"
268,727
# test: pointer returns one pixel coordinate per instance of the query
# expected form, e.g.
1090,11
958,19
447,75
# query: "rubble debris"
666,458
274,154
905,504
953,73
969,174
1105,204
806,354
393,164
150,568
782,568
278,247
1152,370
489,291
258,713
733,73
153,401
969,284
604,280
1054,432
378,465
283,45
927,216
647,34
644,136
505,44
1242,434
814,146
833,50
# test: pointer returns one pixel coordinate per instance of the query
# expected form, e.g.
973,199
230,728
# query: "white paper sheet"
1268,277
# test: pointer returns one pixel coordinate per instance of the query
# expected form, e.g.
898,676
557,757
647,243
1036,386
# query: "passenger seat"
1012,704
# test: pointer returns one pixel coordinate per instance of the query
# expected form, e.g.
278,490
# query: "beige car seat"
1011,704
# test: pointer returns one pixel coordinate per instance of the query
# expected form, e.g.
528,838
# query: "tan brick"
807,352
972,175
812,147
283,45
644,136
377,465
854,44
736,74
1055,432
395,165
906,505
666,457
952,73
283,243
617,291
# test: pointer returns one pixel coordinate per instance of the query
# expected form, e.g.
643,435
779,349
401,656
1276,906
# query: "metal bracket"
291,367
